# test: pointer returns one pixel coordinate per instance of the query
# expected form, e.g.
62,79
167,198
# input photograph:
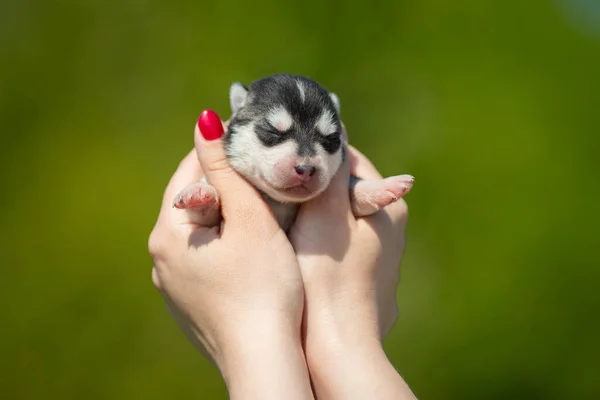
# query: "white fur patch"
336,101
256,161
280,118
265,166
325,124
300,85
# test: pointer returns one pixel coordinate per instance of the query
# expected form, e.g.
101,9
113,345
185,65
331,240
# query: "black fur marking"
268,135
282,89
331,143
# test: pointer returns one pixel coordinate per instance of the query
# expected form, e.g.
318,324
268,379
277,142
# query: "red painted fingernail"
210,125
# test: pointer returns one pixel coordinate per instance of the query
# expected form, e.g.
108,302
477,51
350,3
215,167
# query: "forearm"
265,363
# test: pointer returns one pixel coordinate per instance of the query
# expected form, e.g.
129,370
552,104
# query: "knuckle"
219,165
156,246
398,212
156,279
372,238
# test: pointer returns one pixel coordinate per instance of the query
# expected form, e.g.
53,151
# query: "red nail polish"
210,125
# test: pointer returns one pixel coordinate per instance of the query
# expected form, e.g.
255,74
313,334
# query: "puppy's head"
285,136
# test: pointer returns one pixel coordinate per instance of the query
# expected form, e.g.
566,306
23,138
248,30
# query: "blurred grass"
493,106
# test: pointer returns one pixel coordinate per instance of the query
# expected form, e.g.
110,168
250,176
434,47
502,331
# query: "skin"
350,274
237,307
317,311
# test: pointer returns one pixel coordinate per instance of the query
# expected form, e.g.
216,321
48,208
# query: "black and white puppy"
285,137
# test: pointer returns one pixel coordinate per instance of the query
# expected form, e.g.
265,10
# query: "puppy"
285,137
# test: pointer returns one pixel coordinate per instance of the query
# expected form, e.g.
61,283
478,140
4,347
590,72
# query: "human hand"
235,289
350,272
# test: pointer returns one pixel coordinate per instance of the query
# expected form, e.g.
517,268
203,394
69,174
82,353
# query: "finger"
237,195
391,220
335,200
189,171
169,218
338,187
361,166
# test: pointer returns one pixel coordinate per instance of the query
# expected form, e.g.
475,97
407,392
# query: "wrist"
343,320
330,353
352,365
264,359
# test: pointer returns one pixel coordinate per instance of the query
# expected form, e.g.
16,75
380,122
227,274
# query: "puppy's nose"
305,171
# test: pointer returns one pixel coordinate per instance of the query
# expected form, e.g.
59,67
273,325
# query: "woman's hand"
234,289
350,272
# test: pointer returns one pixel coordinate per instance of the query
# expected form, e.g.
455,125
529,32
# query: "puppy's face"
285,136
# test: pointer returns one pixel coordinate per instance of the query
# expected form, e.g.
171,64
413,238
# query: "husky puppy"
285,137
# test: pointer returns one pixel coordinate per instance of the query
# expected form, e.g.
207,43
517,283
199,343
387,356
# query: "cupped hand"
234,289
350,266
350,270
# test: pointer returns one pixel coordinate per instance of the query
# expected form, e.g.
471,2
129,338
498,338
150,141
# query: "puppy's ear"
237,96
336,101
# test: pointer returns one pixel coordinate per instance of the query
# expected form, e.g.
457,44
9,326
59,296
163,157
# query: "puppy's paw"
369,196
201,202
197,196
398,186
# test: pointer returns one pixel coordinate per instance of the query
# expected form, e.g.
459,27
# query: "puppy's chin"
294,194
298,194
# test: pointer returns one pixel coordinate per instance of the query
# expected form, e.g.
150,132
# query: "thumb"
324,222
234,191
335,200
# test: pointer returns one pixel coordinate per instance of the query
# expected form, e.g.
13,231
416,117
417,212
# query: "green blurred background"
494,106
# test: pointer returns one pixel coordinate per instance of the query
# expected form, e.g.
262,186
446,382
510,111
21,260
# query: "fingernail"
210,125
